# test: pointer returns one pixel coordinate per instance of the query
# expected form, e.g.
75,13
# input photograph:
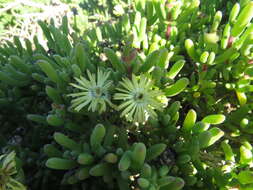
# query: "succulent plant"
152,95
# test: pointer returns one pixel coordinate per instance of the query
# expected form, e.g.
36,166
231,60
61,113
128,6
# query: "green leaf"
151,61
246,156
176,88
245,177
214,119
143,183
60,164
216,134
49,70
189,121
175,69
204,139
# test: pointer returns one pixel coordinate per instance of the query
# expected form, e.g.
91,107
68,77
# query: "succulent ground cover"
149,95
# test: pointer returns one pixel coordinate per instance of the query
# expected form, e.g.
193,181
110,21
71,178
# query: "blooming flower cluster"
139,99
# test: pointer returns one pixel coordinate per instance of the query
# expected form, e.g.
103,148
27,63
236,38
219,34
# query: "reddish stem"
168,31
130,57
230,41
250,62
204,68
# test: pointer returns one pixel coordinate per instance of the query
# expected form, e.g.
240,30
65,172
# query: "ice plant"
139,98
94,92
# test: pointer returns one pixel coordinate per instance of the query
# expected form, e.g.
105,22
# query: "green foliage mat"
147,95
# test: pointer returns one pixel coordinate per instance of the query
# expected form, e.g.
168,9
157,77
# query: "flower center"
96,92
138,96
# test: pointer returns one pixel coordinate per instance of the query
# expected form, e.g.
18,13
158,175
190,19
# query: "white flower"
94,92
140,99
